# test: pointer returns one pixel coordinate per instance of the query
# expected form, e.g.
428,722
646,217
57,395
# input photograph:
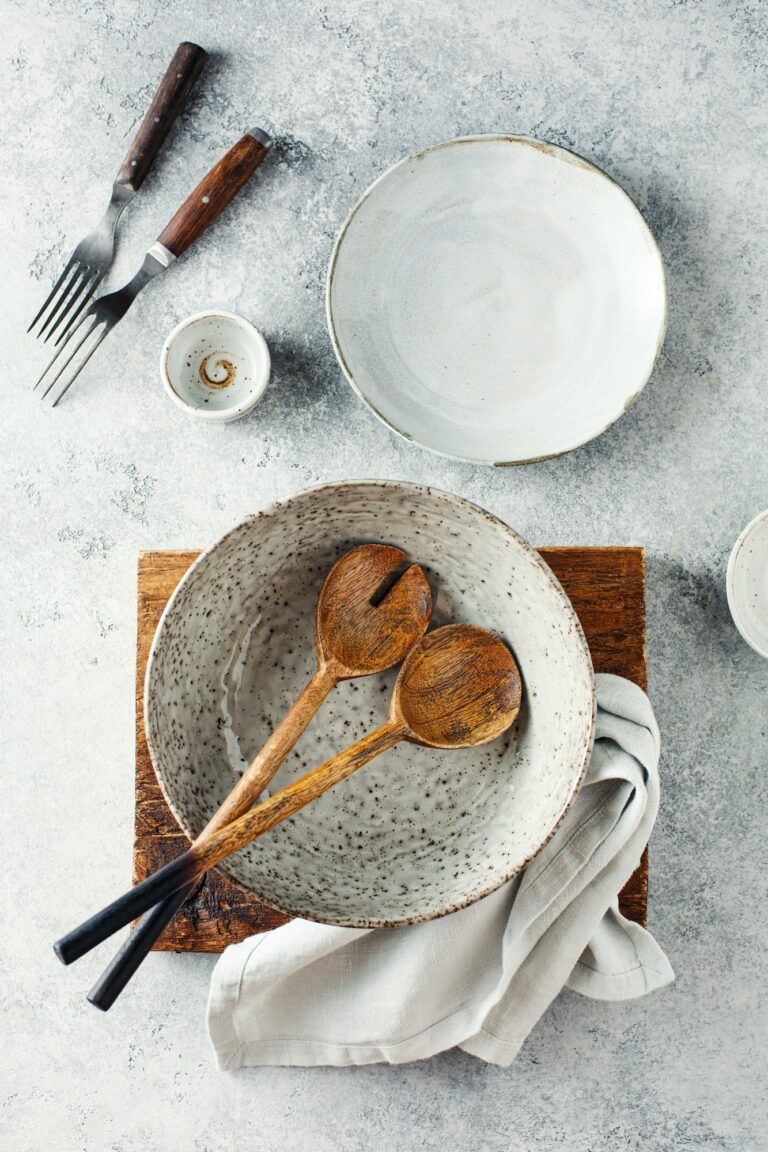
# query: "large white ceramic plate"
496,299
418,832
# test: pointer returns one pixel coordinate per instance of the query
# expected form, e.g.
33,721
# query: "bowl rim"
273,508
547,147
730,578
235,411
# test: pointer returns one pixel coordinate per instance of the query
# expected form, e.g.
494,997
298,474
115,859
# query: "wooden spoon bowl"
354,635
459,687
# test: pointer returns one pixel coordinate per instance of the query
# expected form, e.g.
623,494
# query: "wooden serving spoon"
353,637
458,688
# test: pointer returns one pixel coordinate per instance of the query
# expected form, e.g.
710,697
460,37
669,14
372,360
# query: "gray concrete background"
669,98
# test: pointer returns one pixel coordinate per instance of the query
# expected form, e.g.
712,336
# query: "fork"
92,257
199,210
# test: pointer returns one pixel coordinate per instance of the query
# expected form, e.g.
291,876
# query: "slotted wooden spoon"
353,637
459,687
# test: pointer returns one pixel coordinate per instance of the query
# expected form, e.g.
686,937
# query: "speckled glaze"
747,584
419,832
496,299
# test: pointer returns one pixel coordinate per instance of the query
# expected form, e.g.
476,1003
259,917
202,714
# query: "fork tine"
79,294
80,273
71,357
64,291
58,353
81,307
75,375
53,291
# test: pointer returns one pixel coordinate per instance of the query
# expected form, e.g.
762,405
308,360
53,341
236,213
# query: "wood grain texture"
606,586
169,99
213,194
607,590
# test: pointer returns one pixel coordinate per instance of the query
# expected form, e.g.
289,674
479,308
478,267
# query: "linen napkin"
481,978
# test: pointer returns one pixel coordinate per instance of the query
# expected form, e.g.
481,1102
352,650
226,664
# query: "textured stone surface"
669,99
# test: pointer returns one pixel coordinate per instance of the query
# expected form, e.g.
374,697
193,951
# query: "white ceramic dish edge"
733,560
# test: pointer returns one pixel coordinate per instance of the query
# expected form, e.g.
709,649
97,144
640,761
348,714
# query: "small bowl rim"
730,577
272,508
222,415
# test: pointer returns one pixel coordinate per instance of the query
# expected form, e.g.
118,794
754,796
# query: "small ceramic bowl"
418,832
215,365
747,584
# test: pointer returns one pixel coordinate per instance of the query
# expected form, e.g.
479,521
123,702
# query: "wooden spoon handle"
266,762
187,867
168,101
290,800
248,788
215,191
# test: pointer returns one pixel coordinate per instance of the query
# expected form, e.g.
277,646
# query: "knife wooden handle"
215,191
168,101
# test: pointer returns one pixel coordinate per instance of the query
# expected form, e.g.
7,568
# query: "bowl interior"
497,299
417,832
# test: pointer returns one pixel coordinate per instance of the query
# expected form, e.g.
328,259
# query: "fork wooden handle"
168,101
215,191
247,790
186,868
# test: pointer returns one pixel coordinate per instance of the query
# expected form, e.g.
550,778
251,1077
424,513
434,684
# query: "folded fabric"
310,994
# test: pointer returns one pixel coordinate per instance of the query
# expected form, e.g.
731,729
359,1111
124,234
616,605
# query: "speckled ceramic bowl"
417,833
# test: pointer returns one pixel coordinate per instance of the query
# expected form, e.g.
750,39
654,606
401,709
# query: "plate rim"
270,509
550,149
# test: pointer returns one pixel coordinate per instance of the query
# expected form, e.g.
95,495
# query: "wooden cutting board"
607,589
